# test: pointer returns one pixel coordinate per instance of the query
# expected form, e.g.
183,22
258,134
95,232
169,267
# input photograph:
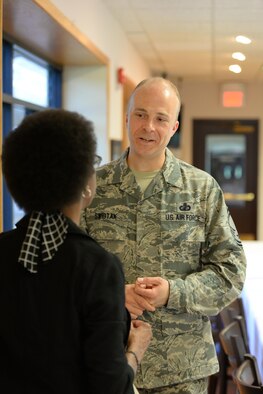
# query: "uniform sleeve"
105,329
222,264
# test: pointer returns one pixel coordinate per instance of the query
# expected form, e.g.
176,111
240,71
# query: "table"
252,296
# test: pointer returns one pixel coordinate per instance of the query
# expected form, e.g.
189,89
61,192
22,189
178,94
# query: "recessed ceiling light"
239,56
243,39
235,68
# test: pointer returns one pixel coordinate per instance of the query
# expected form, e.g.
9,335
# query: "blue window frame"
16,108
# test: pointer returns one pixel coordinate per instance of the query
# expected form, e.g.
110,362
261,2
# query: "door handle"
239,196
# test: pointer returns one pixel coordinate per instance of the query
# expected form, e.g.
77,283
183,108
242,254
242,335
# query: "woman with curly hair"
64,327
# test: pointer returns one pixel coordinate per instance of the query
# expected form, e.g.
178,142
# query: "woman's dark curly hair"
48,159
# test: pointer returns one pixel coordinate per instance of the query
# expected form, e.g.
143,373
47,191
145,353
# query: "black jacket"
64,329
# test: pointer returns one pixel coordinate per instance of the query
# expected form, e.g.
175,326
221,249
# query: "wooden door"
227,149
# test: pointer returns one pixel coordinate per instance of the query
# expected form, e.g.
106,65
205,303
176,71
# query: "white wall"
94,20
85,91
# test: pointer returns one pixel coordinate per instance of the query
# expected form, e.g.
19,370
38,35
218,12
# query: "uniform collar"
118,172
171,169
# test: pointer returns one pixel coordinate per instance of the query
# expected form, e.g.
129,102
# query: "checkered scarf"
44,230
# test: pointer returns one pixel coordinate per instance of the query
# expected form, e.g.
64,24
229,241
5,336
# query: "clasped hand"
146,294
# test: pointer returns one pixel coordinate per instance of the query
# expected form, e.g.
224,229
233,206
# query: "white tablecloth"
252,296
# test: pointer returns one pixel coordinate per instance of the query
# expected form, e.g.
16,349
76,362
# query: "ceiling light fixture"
239,56
243,40
235,68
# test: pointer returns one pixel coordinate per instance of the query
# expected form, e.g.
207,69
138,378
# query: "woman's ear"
86,193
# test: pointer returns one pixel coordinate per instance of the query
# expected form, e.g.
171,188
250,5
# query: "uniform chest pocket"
179,230
110,231
181,245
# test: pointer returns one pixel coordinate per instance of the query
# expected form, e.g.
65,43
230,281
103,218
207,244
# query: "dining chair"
247,377
218,382
235,311
238,306
227,315
233,343
242,323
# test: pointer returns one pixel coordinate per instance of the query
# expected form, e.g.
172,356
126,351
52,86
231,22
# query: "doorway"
227,149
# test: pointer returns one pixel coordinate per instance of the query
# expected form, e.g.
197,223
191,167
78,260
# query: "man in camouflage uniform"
169,224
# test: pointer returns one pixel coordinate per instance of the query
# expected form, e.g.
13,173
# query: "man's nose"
149,124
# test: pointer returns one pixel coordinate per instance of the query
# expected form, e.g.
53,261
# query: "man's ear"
175,128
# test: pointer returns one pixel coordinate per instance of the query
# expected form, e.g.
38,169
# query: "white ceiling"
194,39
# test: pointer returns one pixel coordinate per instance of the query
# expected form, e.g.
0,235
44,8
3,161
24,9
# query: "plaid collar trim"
44,230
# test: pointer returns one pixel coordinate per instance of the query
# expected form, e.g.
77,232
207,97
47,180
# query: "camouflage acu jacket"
181,230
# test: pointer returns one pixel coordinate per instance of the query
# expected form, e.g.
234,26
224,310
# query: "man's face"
152,119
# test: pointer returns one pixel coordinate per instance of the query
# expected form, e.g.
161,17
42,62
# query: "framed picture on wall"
116,150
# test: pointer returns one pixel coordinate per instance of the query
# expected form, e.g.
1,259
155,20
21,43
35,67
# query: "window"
28,72
30,84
